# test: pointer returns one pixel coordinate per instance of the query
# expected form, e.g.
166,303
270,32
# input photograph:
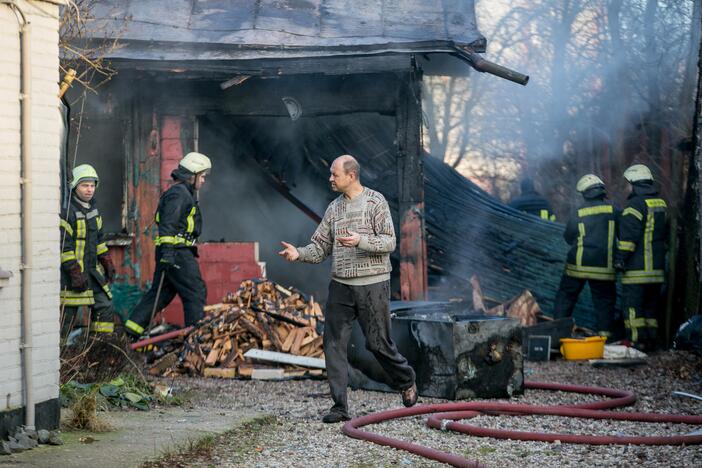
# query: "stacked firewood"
259,315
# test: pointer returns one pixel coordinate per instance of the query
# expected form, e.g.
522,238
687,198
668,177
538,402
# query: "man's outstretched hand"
289,253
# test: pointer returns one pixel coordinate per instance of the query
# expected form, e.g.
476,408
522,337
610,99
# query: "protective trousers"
604,298
101,313
370,305
640,309
185,281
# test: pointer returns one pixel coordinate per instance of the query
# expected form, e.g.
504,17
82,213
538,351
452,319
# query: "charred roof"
202,30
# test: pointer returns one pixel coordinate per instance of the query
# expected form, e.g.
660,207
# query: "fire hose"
444,415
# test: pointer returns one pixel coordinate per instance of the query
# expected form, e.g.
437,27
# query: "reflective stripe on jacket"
591,234
643,232
82,242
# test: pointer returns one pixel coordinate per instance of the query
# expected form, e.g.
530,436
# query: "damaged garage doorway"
270,180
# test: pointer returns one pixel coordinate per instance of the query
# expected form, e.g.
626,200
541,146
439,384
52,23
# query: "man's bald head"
349,165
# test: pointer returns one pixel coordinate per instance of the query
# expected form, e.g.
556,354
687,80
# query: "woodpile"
259,315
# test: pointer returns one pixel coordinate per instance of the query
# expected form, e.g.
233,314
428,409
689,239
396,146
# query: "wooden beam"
413,249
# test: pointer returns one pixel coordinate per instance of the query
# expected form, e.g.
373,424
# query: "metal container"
455,353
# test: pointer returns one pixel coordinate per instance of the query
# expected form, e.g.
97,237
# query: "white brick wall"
45,178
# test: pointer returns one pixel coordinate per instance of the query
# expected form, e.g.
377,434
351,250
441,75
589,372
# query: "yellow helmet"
637,173
588,181
195,162
84,173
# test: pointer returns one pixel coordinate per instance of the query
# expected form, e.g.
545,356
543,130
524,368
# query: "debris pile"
523,307
260,315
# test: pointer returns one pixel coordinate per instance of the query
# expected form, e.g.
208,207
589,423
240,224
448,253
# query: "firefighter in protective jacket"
641,249
591,234
532,202
179,225
86,267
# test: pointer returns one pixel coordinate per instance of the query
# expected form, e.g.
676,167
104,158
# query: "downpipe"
27,193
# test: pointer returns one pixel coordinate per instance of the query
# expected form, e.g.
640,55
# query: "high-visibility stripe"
173,240
99,222
108,292
191,220
102,327
610,243
157,218
581,237
595,210
596,273
73,298
633,212
552,217
626,245
653,323
648,241
66,226
68,256
656,203
102,248
634,324
643,277
91,214
604,333
81,231
135,327
80,242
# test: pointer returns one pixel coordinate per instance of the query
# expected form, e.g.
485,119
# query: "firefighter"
591,235
641,250
532,202
177,272
86,266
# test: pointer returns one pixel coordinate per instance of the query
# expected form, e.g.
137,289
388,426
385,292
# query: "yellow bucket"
574,349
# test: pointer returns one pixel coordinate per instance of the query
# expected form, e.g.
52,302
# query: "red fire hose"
444,414
159,338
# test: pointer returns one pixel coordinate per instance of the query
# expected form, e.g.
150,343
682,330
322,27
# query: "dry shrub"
85,417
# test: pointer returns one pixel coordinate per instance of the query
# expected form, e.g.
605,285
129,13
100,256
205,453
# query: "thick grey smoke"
612,82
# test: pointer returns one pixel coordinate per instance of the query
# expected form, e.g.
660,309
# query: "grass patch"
241,440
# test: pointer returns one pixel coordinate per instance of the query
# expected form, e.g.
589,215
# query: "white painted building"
43,128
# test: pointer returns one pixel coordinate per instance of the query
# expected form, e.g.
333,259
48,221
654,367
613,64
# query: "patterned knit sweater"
367,214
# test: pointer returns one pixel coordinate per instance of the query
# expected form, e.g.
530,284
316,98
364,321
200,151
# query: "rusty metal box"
455,353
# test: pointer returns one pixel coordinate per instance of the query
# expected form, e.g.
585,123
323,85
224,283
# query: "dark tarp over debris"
274,29
470,232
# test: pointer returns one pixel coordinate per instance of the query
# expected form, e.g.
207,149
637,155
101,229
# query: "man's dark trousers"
185,281
370,305
604,298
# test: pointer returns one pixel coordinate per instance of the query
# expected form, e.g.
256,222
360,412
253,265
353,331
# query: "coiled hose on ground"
444,416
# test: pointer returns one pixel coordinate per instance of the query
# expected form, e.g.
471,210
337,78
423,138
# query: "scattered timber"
262,316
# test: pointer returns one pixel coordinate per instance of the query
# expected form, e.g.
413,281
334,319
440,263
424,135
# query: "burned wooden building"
273,91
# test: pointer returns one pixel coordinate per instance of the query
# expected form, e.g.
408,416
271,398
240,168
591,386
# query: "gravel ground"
297,437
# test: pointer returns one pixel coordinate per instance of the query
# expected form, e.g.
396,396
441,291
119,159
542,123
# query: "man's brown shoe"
409,395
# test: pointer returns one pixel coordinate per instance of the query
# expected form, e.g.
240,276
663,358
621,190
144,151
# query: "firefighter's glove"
106,262
168,260
79,280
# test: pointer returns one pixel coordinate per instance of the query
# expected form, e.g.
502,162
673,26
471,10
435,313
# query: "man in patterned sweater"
358,233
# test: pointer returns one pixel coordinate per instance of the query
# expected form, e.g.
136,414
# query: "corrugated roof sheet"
247,29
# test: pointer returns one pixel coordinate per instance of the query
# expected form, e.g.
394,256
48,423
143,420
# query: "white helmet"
195,162
637,173
588,181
